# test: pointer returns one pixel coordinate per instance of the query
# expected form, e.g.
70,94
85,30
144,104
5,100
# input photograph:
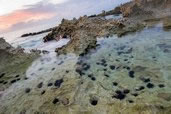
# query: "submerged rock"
150,85
131,74
27,90
56,100
40,85
58,83
94,101
119,95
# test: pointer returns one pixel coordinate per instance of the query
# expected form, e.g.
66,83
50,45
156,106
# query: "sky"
38,15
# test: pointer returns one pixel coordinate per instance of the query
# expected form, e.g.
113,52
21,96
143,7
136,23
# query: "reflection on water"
122,72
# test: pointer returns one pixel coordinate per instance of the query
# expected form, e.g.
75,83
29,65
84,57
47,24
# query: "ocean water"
120,75
36,42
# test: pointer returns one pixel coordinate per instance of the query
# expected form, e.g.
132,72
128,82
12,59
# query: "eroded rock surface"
84,31
13,64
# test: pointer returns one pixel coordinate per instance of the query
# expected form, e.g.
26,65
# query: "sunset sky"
20,14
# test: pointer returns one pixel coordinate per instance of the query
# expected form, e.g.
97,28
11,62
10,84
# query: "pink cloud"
11,19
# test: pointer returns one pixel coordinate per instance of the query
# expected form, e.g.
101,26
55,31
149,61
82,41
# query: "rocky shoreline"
13,64
104,75
84,31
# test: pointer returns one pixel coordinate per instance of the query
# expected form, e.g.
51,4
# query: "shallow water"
120,74
36,42
116,17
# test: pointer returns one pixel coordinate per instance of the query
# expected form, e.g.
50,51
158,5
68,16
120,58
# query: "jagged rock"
13,59
84,31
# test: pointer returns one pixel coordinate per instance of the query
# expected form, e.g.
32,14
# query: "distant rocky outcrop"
36,33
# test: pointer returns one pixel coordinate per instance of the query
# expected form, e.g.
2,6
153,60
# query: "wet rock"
43,92
1,81
98,63
105,69
61,63
79,71
117,67
106,75
154,57
86,67
112,67
104,64
17,76
146,80
79,62
40,85
161,85
36,33
103,60
58,83
32,74
140,88
117,60
18,79
128,68
90,75
50,84
2,75
27,90
115,83
135,94
13,81
125,59
45,51
40,69
25,78
93,78
53,69
131,74
93,101
5,82
120,52
56,100
126,91
119,95
67,71
130,101
150,85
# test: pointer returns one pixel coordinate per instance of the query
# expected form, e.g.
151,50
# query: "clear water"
146,53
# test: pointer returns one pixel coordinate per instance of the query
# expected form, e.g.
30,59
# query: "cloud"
8,6
34,12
